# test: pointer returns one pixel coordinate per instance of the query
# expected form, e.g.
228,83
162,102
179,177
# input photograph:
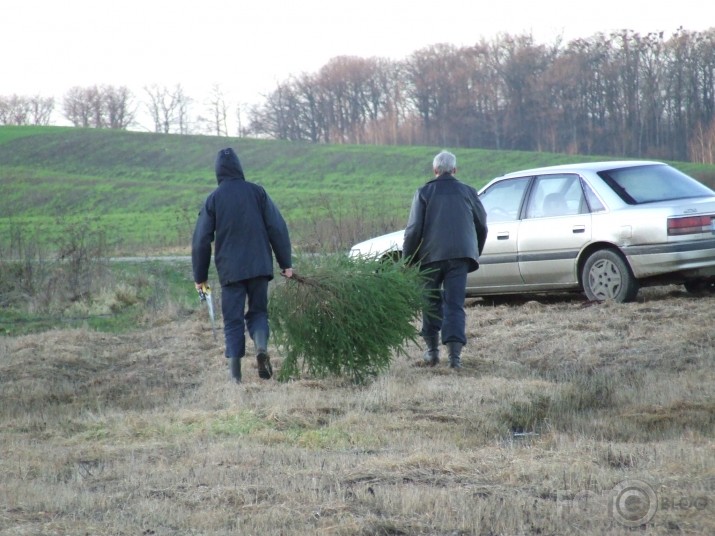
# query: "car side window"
502,200
594,203
556,195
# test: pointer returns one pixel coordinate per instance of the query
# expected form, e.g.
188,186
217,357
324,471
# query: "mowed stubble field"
568,418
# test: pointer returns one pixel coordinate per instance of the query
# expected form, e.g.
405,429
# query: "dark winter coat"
245,224
447,221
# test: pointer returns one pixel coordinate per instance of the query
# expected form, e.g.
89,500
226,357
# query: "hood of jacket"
228,166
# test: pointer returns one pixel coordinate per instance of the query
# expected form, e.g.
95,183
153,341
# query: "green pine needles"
345,317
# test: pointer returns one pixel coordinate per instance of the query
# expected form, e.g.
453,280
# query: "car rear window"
651,183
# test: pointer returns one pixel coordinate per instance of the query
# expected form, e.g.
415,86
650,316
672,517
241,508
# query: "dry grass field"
568,418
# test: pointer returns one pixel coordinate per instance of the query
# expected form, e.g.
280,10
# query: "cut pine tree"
345,317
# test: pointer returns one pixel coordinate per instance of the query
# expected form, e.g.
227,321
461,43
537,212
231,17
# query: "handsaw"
205,296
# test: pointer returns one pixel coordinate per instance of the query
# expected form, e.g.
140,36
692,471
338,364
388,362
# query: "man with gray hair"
445,235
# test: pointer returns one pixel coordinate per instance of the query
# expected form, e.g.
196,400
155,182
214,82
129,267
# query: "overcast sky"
247,46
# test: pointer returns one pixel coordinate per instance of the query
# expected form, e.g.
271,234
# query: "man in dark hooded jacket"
445,234
246,226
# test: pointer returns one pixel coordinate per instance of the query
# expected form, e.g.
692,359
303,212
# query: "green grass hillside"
145,189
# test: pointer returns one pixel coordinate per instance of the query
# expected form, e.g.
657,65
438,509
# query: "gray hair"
444,162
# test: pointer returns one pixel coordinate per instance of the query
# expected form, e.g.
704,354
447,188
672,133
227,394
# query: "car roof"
584,166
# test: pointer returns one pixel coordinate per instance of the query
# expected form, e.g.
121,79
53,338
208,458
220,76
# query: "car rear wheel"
606,276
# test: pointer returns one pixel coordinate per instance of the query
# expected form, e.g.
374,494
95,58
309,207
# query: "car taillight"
690,225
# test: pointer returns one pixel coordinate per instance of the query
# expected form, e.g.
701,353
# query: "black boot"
455,352
235,366
431,355
265,370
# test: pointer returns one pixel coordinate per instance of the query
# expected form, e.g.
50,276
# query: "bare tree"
94,98
4,110
621,94
218,111
313,105
239,120
77,108
98,107
386,101
118,107
183,110
168,108
84,107
702,144
440,83
19,110
278,117
42,108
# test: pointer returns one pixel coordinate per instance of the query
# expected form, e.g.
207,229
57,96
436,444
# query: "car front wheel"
606,276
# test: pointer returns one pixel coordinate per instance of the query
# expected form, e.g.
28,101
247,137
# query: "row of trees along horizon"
619,94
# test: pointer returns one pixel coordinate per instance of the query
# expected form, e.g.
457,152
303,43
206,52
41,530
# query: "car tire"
606,276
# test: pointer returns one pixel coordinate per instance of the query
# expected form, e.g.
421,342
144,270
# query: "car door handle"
578,229
504,235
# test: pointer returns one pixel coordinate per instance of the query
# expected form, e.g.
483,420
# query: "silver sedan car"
604,228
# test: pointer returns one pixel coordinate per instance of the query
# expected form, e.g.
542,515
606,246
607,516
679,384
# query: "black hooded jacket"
246,225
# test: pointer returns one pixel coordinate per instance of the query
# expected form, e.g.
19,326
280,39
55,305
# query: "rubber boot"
431,355
455,352
265,370
234,364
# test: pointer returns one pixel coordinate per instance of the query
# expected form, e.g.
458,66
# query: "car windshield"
651,183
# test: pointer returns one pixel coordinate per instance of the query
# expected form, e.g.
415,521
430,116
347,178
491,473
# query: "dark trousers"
446,283
235,317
